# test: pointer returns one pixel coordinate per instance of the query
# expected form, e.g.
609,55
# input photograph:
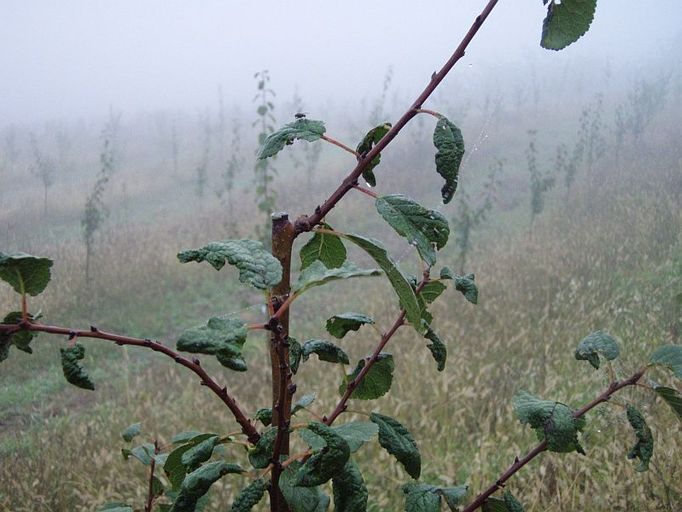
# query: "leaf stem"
431,112
150,492
340,144
366,191
285,305
192,364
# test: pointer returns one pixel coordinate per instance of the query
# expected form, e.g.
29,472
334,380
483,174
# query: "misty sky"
71,58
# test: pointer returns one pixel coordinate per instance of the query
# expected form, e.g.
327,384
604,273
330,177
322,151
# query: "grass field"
607,256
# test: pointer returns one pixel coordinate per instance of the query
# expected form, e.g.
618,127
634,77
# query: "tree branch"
192,364
307,222
613,388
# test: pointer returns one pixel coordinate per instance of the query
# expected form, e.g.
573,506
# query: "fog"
67,60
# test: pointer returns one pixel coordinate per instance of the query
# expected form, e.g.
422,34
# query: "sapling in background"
264,170
541,182
180,471
44,168
201,168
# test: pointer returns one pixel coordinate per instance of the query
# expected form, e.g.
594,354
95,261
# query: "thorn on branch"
72,335
292,388
94,329
196,361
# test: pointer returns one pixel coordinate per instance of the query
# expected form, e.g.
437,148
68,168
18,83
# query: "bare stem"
366,191
340,144
150,491
308,222
192,364
541,447
430,112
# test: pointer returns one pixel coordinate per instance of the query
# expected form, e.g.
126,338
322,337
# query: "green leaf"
427,230
222,337
198,482
75,374
328,249
303,128
144,453
551,420
453,495
397,440
402,287
450,145
256,265
264,415
199,453
672,398
326,463
508,503
644,447
302,403
250,496
116,506
131,432
595,343
20,339
157,487
566,22
25,273
431,291
669,356
376,382
325,350
174,467
341,324
366,144
316,274
295,353
301,499
438,349
356,433
421,498
350,491
260,455
464,284
186,437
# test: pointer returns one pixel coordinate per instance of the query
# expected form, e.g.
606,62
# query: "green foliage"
260,455
463,284
552,421
438,349
222,337
295,354
426,229
75,374
644,447
199,453
566,22
370,140
20,339
115,507
427,498
668,356
450,145
198,482
264,415
508,503
325,350
377,380
131,432
350,491
672,398
25,273
540,182
594,344
402,287
326,463
256,265
250,496
325,247
301,499
341,324
177,464
317,274
397,440
263,170
302,128
431,291
143,453
355,433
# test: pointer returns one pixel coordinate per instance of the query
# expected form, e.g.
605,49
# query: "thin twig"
431,112
366,191
150,492
340,144
192,364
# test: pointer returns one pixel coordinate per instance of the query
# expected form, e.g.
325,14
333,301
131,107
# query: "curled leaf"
75,374
644,447
450,145
594,344
366,144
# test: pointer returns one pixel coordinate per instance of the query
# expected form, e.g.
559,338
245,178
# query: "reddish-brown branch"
366,191
307,222
340,144
430,112
192,364
342,404
613,388
150,491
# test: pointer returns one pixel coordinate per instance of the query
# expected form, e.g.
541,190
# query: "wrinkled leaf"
450,145
20,339
366,144
375,383
669,356
427,230
397,440
431,291
325,350
421,498
222,337
350,491
316,274
551,420
75,374
464,284
326,463
301,499
131,432
25,273
199,453
303,128
174,467
566,22
295,354
644,446
508,503
594,344
453,495
264,415
356,433
341,324
328,249
198,482
672,398
438,349
401,285
256,265
260,455
250,496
